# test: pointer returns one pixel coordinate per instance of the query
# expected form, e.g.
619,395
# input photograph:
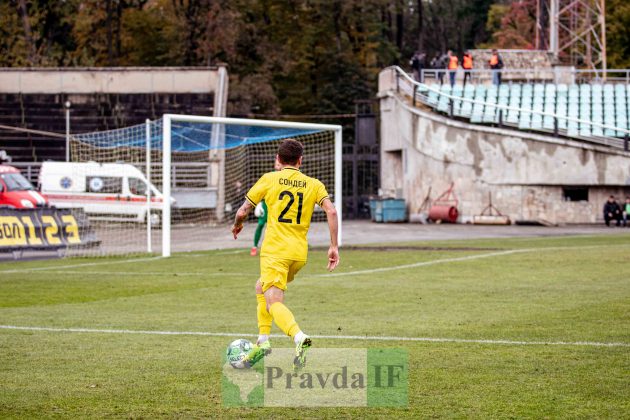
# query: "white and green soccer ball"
236,352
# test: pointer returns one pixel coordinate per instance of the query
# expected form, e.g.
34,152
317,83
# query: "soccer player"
291,197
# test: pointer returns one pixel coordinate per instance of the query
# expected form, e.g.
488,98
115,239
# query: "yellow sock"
284,319
264,317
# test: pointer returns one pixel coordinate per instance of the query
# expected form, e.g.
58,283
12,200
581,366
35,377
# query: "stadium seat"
444,101
525,120
433,95
469,91
537,121
466,109
490,114
598,105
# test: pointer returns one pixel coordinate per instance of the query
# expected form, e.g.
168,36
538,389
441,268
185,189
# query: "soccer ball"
236,352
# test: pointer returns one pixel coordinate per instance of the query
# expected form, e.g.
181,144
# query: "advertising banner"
44,228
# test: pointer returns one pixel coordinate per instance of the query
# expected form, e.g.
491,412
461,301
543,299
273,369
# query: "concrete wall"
109,80
525,173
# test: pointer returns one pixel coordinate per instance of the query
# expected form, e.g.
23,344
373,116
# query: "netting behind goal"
212,167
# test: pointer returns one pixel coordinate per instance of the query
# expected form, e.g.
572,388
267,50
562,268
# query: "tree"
517,28
618,34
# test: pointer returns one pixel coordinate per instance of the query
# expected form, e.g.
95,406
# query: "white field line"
328,337
212,253
418,264
56,267
467,258
150,273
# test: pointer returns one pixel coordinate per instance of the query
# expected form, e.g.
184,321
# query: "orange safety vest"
452,63
468,64
494,60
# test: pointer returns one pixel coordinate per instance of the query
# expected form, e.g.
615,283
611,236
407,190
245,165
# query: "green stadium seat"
469,91
561,111
524,122
490,114
537,121
610,121
466,109
433,95
444,101
480,92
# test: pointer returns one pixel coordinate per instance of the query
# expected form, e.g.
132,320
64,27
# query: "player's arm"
333,226
240,217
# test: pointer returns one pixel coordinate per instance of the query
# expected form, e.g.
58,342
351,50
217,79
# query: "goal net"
175,184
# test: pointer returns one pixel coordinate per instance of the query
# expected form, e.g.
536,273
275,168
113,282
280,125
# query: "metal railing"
555,75
481,76
599,76
419,92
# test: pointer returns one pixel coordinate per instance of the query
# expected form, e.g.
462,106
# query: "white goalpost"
174,184
166,160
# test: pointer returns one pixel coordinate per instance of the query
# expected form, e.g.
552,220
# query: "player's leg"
263,345
283,317
264,317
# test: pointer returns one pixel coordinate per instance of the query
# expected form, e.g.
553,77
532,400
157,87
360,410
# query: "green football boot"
256,353
300,353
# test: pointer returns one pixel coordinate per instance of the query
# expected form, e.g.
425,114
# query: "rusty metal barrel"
443,213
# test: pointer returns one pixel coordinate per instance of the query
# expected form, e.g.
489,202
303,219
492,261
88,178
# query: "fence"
556,75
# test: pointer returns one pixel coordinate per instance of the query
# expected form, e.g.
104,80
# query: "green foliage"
512,26
618,33
284,56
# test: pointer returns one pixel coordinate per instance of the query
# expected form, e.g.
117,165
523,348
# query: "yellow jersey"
291,197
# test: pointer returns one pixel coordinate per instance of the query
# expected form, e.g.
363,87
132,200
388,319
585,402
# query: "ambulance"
16,192
105,191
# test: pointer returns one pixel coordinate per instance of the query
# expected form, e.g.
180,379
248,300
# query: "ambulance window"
104,184
137,186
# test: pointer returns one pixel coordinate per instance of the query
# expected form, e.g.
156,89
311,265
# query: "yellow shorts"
278,272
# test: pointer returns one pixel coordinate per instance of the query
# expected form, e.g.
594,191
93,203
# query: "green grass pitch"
548,290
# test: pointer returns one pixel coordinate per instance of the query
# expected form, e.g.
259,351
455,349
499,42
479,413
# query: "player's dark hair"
290,151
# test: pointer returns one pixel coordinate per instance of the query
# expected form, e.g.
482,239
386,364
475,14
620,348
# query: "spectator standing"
453,63
442,64
612,211
417,65
436,64
467,65
496,64
626,212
